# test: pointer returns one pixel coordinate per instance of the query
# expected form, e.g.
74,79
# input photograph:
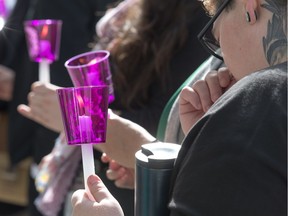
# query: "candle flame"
83,61
44,31
80,101
81,104
93,61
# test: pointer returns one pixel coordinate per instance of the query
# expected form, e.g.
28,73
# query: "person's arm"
123,139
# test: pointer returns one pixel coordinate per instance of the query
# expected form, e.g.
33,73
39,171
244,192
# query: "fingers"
78,196
25,111
202,89
41,87
195,101
32,114
123,177
190,96
115,170
36,99
114,174
98,189
43,106
105,158
190,108
105,204
224,77
127,180
213,84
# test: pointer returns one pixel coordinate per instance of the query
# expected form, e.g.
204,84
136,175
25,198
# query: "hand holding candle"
84,113
88,69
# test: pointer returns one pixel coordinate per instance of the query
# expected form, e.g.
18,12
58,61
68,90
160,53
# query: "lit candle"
45,50
44,54
44,71
85,126
94,79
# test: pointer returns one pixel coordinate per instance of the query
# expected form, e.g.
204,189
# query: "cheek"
230,47
231,38
233,46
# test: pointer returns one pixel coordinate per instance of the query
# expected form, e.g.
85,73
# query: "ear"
251,11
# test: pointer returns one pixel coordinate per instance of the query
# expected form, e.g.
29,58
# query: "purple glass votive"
3,9
91,69
84,113
43,39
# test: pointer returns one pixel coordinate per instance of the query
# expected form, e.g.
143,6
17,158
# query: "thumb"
97,188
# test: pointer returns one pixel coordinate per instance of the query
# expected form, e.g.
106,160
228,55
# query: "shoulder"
267,78
257,89
242,140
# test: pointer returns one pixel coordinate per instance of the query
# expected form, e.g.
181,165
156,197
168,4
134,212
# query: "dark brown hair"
142,54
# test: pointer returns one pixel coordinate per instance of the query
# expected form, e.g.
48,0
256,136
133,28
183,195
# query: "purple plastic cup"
43,39
91,69
3,10
84,113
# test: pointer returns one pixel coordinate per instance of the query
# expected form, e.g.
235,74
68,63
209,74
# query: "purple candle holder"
3,10
91,69
84,113
43,39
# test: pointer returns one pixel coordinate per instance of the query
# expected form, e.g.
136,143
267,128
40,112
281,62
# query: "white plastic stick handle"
88,165
44,71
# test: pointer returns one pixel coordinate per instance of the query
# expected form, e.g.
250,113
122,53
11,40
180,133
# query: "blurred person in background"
25,137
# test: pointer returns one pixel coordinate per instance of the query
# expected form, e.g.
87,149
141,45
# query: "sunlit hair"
142,51
211,6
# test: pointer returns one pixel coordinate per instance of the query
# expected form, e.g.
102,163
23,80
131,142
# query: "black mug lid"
157,155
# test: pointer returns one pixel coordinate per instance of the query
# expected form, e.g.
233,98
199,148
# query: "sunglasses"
206,36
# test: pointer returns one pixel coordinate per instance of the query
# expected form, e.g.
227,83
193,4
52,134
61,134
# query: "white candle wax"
85,125
45,54
44,71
